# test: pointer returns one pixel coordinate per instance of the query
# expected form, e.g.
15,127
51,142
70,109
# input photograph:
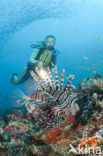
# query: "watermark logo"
85,150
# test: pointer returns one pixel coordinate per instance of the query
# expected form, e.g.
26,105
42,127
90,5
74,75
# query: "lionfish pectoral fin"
48,96
29,108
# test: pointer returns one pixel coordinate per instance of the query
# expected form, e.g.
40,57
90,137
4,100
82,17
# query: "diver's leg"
22,78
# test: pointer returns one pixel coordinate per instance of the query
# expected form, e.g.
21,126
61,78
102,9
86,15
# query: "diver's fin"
12,80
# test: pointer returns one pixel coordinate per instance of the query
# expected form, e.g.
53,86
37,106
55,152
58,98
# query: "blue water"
77,25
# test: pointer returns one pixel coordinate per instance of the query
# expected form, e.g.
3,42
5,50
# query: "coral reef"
82,129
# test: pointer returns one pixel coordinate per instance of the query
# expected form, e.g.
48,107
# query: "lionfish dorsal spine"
51,78
47,80
68,87
62,79
56,76
37,80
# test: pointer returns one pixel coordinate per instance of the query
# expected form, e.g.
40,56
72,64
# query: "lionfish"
51,102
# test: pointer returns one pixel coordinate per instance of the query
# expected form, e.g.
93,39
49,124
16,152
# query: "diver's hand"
40,63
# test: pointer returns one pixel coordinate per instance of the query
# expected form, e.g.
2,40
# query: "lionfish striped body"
51,101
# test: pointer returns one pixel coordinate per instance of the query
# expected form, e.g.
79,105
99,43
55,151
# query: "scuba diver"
44,55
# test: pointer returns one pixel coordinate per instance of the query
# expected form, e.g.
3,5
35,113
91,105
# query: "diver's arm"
33,56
